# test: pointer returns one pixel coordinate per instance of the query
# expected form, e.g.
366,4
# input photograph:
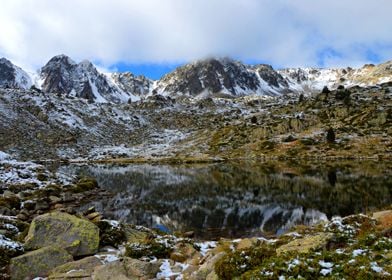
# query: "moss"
110,235
150,248
38,263
238,262
63,229
85,184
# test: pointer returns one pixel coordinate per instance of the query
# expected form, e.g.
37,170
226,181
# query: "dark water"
241,198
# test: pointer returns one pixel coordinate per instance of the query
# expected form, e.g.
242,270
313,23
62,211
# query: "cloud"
280,32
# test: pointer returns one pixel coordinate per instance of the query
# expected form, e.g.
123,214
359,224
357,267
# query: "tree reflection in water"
239,199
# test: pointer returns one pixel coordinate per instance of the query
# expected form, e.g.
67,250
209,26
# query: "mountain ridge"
198,79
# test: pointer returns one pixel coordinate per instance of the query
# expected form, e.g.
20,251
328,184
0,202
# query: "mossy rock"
80,237
127,269
150,248
111,235
85,184
84,266
305,244
236,263
10,202
38,263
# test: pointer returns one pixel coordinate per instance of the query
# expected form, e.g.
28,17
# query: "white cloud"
284,33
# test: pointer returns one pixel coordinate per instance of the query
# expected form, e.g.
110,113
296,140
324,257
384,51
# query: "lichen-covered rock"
305,244
78,269
127,269
38,263
78,236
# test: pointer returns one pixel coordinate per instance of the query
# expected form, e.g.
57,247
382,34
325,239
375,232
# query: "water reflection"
239,199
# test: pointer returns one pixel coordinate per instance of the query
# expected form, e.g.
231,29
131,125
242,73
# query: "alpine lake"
238,199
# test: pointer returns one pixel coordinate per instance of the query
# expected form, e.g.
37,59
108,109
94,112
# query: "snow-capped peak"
13,76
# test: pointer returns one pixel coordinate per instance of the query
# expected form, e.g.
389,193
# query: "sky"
152,37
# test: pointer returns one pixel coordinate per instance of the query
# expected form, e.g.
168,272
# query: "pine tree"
330,135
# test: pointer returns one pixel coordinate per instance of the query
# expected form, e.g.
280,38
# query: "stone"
178,257
29,204
305,244
111,234
22,217
185,252
81,268
127,269
38,263
58,206
207,267
76,274
42,205
93,216
134,235
54,199
9,200
80,237
247,243
188,234
384,219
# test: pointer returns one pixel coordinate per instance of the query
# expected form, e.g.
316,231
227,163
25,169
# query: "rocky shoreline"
42,234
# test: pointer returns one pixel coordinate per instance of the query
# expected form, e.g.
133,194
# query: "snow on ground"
9,245
13,172
4,156
161,143
171,270
206,246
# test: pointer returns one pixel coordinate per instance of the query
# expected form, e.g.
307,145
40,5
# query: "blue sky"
152,37
152,71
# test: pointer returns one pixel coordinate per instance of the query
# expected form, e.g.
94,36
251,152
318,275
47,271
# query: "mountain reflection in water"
239,199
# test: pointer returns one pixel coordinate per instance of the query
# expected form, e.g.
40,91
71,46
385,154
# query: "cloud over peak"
284,33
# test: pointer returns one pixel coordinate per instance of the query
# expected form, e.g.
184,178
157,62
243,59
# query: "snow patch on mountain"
12,76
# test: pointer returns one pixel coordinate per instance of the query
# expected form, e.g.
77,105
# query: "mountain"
64,76
219,77
222,76
128,82
210,76
12,76
233,78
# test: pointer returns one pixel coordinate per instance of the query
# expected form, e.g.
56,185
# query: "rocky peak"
270,76
57,75
11,76
212,75
62,75
128,82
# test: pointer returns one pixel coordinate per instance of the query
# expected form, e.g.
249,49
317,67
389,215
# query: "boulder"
38,263
305,244
384,219
127,269
207,268
79,237
78,269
